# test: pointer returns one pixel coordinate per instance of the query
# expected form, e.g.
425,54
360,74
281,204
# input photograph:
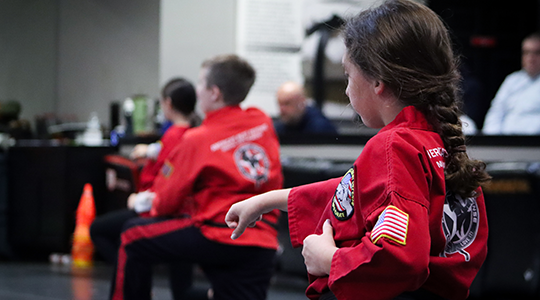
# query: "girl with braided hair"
408,220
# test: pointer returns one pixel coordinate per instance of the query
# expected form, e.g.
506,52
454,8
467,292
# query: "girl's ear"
167,102
378,87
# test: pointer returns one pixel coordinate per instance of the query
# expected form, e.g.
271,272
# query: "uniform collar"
220,113
409,117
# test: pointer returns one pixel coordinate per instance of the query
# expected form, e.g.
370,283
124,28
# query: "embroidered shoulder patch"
393,224
167,169
460,224
343,200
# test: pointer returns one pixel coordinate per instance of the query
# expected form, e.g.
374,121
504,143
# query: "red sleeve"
148,174
151,169
304,203
371,266
379,260
172,184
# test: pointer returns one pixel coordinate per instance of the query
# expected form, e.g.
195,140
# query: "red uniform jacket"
151,168
391,224
231,156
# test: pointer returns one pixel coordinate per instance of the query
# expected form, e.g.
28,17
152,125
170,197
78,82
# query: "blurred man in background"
515,110
296,115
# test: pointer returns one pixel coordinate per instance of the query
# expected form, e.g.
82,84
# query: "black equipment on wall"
115,114
326,29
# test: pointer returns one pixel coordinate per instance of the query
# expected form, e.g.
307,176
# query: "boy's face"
204,94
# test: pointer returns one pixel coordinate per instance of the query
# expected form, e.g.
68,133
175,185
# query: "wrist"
329,256
277,199
152,151
143,201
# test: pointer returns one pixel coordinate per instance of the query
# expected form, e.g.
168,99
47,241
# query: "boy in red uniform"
408,220
234,153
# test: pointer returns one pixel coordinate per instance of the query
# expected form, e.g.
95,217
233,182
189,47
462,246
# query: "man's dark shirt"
312,122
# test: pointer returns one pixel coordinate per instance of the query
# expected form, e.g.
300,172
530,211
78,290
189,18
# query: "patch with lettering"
460,224
438,156
343,199
252,162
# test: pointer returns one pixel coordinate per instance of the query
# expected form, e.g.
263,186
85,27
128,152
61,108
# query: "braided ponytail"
463,175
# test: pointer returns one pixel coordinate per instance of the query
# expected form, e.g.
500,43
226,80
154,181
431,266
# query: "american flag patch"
167,169
393,224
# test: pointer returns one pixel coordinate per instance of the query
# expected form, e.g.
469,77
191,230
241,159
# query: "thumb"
327,228
234,222
237,232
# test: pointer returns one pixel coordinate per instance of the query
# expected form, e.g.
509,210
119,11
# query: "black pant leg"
105,233
235,272
146,242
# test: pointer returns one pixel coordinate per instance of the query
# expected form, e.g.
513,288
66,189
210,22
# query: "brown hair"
233,75
405,45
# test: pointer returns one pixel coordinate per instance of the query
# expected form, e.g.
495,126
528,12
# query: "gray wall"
191,32
28,54
72,57
107,50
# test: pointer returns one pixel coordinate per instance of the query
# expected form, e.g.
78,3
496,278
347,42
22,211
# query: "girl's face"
166,107
361,93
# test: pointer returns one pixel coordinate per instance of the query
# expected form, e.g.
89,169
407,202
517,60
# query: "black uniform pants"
105,233
234,272
420,294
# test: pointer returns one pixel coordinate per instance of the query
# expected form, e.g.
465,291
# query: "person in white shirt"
468,125
515,110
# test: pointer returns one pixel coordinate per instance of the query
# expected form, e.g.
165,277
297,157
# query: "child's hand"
246,213
131,200
318,251
242,215
139,151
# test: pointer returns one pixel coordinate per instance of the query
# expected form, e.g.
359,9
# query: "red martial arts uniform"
394,231
168,142
106,229
218,164
233,155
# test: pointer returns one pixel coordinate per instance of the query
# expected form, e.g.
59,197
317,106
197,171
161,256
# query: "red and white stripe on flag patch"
393,224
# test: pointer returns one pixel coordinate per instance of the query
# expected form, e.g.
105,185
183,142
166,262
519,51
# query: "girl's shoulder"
402,141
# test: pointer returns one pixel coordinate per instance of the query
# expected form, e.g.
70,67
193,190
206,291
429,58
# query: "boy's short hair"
233,75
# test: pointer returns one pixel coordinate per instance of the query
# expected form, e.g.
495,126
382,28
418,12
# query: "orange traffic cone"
82,250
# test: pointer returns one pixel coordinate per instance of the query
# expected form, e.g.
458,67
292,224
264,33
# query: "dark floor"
47,281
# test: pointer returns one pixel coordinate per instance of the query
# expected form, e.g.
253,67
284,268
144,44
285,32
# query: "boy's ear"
216,93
